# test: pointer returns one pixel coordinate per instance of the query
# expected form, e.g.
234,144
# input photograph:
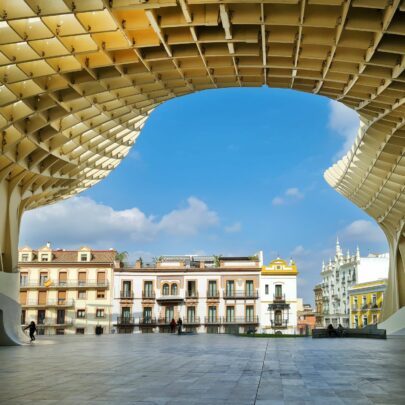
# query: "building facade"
306,320
209,294
318,305
366,301
66,291
278,297
340,275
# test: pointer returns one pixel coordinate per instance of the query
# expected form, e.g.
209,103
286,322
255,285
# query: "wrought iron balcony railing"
148,295
127,294
279,324
279,297
49,303
213,294
241,294
194,320
191,294
125,320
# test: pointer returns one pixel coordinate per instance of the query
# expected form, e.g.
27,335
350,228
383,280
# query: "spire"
358,253
348,254
338,248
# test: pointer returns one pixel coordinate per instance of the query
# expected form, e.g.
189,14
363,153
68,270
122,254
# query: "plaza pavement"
202,369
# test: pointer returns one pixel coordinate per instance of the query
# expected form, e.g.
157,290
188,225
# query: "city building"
318,305
66,291
341,274
278,297
210,294
306,320
366,301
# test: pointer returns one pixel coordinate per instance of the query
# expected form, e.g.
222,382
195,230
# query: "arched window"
165,289
174,289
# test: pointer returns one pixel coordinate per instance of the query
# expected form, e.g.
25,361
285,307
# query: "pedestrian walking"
173,326
179,325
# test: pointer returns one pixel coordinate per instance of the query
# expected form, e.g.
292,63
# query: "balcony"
279,298
164,321
191,295
241,320
194,320
279,324
148,295
125,321
60,303
147,321
126,295
244,295
212,320
65,285
170,298
47,322
375,307
212,295
365,307
355,308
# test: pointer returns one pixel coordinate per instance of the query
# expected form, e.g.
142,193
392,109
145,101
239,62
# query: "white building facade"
341,274
209,294
278,297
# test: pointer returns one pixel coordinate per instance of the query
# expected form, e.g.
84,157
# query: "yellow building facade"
366,301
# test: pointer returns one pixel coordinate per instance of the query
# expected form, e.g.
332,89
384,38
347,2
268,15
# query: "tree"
122,256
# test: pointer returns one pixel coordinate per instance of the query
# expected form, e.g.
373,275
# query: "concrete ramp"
395,324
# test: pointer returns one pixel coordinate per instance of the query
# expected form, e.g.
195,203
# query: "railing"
147,321
278,297
176,297
125,320
191,294
213,294
126,294
240,320
355,308
194,320
148,295
279,324
164,321
56,303
65,284
364,307
231,294
212,320
54,322
375,307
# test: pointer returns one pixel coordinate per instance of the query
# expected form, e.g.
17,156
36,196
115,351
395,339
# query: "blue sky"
229,171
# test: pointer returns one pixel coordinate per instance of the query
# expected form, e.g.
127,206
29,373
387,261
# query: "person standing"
173,326
32,329
179,325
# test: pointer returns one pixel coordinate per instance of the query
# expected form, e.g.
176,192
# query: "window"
230,288
41,317
374,300
147,314
212,314
365,320
356,321
249,288
43,278
101,278
230,313
82,278
249,312
23,317
79,331
23,279
101,294
44,257
169,313
62,278
191,289
212,288
174,289
278,317
266,289
375,319
100,313
364,301
190,314
84,257
148,289
126,312
25,257
165,289
81,295
81,313
278,291
126,289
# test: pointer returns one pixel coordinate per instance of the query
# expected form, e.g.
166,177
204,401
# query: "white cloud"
299,251
234,228
81,220
290,195
363,231
278,201
345,122
294,192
